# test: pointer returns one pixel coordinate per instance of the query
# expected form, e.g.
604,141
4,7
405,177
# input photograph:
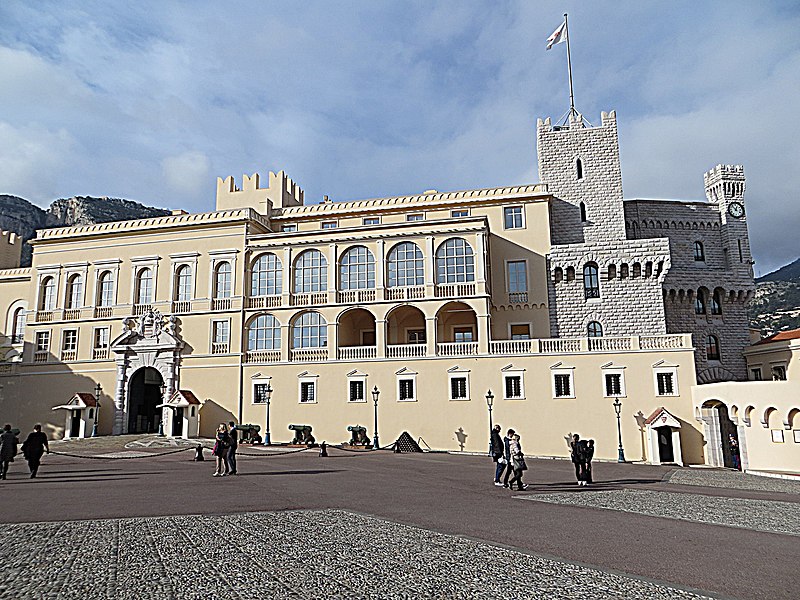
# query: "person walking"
575,456
233,434
8,449
734,446
33,447
587,462
498,454
221,450
517,463
507,455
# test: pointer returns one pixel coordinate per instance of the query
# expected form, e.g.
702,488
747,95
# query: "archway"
456,322
143,396
356,328
722,437
405,325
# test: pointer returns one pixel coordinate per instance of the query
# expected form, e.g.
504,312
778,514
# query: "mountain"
785,273
22,217
776,304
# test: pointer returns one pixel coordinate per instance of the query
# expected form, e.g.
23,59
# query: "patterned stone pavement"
292,554
760,515
734,480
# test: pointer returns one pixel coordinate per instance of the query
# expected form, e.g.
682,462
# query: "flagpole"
572,110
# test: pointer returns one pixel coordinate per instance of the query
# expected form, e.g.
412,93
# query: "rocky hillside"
776,305
22,217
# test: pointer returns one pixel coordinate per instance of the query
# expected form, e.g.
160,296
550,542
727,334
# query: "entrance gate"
143,397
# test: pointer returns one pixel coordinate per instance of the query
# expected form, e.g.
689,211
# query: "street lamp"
375,393
618,410
267,395
161,418
490,403
97,391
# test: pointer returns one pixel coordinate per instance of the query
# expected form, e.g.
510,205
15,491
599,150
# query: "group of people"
582,453
225,445
34,446
507,453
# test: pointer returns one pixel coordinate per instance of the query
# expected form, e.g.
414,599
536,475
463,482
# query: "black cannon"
358,436
302,435
249,434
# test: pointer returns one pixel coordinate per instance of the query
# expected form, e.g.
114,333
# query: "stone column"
430,336
286,342
379,271
333,272
430,267
483,334
286,276
380,338
120,426
480,262
333,341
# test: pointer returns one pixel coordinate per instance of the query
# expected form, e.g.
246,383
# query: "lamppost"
618,410
375,393
161,418
267,395
97,391
490,403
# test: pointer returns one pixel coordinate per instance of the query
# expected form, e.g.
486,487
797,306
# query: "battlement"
576,121
724,181
10,250
281,192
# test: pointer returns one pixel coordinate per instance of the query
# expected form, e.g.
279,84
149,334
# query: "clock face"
736,210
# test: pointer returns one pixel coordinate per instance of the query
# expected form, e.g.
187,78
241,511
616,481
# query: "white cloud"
187,173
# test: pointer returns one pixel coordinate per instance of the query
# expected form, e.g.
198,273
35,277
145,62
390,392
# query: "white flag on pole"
559,36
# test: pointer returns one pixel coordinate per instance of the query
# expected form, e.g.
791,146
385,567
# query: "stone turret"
281,193
10,250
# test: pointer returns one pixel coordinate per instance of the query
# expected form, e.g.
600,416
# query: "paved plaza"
146,524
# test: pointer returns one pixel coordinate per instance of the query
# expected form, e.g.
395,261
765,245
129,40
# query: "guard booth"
664,437
81,412
181,415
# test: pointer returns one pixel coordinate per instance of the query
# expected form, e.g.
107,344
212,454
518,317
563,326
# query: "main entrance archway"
722,437
143,397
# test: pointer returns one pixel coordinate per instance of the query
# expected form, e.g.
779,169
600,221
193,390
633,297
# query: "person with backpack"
518,463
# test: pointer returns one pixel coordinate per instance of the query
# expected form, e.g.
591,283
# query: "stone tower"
581,167
725,186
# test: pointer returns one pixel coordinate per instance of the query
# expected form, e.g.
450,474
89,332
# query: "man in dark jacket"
8,449
230,459
507,455
498,453
33,447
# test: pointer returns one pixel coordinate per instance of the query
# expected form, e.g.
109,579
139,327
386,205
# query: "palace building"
559,297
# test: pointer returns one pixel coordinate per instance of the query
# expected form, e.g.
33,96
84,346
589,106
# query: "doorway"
722,435
144,396
666,454
177,422
75,424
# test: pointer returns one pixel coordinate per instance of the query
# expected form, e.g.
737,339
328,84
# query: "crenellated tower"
725,186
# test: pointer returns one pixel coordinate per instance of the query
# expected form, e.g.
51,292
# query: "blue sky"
153,100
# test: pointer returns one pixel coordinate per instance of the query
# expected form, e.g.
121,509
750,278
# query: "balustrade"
661,342
405,293
517,297
219,347
40,356
511,346
405,350
355,296
72,314
457,348
220,304
454,290
181,306
308,354
560,345
68,355
259,302
102,312
311,299
43,316
357,352
606,344
99,353
262,356
140,309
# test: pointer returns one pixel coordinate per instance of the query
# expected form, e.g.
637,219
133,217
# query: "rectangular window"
613,384
416,336
517,278
779,373
69,342
307,391
512,217
221,332
458,388
288,228
666,384
406,387
42,341
329,224
260,393
459,213
372,221
415,217
521,331
562,382
513,385
463,334
777,436
101,336
755,374
357,390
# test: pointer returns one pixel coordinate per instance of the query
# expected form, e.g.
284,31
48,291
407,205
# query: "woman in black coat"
33,447
8,449
221,450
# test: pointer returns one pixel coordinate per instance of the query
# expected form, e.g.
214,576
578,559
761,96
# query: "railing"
103,312
308,299
661,342
457,349
69,355
262,356
72,314
40,356
355,296
181,306
606,344
511,347
140,309
262,301
219,347
560,345
406,350
99,353
454,290
357,352
220,304
517,297
308,354
44,315
405,293
17,339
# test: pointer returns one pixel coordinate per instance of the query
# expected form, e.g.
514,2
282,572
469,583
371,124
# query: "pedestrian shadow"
608,484
81,479
303,472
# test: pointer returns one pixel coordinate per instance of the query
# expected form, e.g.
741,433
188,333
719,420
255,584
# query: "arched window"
570,274
144,286
612,271
310,272
455,262
264,333
591,281
105,289
583,212
267,276
712,348
637,270
579,169
558,275
699,251
222,280
183,283
648,269
623,271
310,331
716,303
594,329
357,269
700,303
47,298
18,326
405,265
74,291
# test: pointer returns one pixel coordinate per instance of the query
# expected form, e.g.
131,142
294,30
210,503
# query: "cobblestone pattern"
760,515
734,480
303,554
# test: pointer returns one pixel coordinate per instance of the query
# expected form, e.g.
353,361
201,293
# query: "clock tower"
725,185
